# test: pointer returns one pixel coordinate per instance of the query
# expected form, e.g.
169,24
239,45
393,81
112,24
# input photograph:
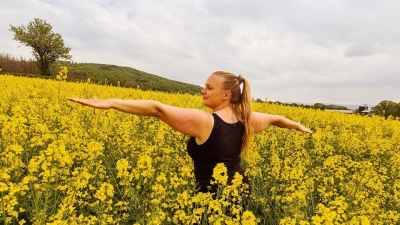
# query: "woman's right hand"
302,128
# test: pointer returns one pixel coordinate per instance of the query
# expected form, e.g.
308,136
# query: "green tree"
387,108
46,45
320,106
259,100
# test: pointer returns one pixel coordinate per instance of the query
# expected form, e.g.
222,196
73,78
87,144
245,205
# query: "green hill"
126,77
101,74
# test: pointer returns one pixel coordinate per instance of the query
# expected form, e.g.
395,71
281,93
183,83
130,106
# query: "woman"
219,137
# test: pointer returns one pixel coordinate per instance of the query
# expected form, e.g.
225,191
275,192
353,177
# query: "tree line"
319,106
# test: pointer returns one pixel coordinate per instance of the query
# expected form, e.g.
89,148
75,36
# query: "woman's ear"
227,95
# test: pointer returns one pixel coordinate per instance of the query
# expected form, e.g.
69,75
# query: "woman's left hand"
94,103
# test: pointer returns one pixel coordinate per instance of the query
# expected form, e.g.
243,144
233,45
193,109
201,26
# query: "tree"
387,108
259,100
336,107
46,45
320,106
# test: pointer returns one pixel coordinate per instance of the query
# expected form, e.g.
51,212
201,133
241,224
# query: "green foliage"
387,108
336,107
319,106
46,45
305,106
293,104
259,100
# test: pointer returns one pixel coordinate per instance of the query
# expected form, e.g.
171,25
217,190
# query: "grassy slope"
126,77
101,74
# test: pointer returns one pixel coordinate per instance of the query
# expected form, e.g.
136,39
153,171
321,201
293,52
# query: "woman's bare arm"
191,122
262,121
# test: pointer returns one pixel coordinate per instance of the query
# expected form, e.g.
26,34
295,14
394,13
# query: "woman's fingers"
81,101
305,129
95,103
308,131
73,99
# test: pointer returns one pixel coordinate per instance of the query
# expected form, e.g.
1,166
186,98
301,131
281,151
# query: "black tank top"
222,146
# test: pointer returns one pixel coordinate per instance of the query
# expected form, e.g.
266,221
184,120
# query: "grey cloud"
360,50
324,22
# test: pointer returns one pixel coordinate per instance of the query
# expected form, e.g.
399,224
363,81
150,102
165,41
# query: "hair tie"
240,79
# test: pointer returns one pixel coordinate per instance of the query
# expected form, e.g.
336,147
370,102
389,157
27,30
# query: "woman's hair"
241,103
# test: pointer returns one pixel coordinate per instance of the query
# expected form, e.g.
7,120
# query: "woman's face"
213,93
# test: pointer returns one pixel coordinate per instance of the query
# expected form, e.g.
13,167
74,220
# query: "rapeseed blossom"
62,74
220,174
65,164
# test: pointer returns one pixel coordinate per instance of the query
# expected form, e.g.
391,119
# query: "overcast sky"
333,51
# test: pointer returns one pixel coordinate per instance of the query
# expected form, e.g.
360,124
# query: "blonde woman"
217,137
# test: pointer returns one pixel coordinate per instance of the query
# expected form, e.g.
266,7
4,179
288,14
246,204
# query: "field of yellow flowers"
62,163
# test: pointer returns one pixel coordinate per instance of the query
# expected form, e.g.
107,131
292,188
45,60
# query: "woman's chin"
205,103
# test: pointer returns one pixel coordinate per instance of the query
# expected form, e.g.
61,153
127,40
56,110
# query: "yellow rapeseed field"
62,163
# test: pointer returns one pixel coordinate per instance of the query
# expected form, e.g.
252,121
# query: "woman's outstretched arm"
136,107
191,122
261,121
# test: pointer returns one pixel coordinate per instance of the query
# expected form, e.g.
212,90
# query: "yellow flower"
237,179
4,175
220,174
106,191
62,74
3,187
248,218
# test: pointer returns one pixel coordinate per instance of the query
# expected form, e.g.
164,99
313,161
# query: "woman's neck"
220,107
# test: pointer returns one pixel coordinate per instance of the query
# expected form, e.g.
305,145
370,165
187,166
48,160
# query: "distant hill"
126,77
101,74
